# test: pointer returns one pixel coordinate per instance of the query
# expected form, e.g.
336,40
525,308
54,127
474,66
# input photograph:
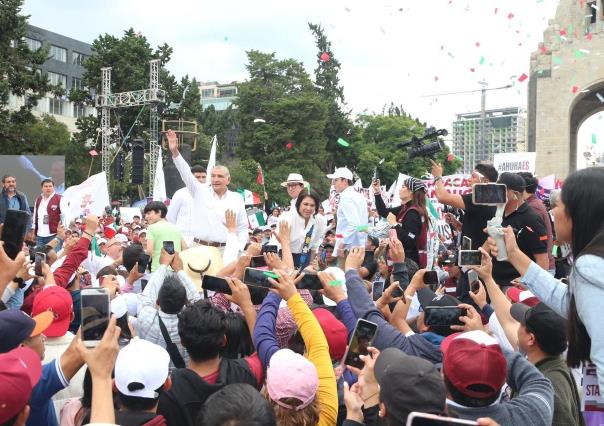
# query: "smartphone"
473,281
377,289
430,277
466,243
270,249
361,339
40,259
443,316
14,230
143,261
425,419
397,292
169,247
96,310
258,262
469,258
143,284
310,282
489,194
257,278
217,284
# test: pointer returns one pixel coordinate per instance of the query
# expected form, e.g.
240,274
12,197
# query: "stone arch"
582,107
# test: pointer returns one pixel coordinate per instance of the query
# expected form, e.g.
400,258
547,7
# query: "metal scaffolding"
151,96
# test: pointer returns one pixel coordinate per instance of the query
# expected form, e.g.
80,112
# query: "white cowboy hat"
201,258
294,178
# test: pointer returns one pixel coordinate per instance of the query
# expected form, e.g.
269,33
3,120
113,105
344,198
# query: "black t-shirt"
531,237
475,221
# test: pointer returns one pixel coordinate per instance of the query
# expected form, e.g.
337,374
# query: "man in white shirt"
49,208
180,211
211,203
352,226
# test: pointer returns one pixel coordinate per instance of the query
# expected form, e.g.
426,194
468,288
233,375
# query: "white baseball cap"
341,172
143,363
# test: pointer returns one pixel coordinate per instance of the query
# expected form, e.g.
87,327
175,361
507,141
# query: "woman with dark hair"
306,228
410,220
239,342
579,221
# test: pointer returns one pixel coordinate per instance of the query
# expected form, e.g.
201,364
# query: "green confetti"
343,142
594,138
363,228
556,60
482,60
579,54
335,283
271,274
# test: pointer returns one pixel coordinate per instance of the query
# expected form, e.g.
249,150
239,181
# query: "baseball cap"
58,301
16,326
290,375
21,370
101,241
340,276
512,181
408,383
120,238
474,363
522,296
335,332
341,172
548,327
138,363
428,298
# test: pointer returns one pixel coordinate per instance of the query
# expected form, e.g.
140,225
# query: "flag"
91,196
432,210
260,177
93,153
211,160
256,218
159,184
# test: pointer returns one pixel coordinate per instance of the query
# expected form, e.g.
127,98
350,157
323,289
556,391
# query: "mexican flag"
256,218
249,198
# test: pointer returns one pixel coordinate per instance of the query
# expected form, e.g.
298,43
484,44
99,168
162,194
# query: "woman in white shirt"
306,228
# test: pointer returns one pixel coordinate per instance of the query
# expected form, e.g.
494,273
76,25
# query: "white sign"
91,196
515,162
127,214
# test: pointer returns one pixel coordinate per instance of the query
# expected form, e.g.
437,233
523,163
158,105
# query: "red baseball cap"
335,332
21,370
57,300
522,296
474,358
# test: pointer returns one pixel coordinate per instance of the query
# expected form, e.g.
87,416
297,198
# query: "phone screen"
169,247
143,261
95,314
310,282
256,277
270,249
489,193
362,338
258,262
40,259
14,230
377,289
473,280
469,258
217,284
397,292
424,419
466,243
430,277
443,316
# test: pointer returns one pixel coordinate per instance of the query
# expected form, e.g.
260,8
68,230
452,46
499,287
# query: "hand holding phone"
40,259
14,230
95,309
444,316
430,277
361,339
469,258
143,261
169,247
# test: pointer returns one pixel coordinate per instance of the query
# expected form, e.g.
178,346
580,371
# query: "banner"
91,196
592,400
159,184
211,161
515,162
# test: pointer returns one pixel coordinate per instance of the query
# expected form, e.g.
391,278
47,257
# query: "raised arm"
181,165
442,195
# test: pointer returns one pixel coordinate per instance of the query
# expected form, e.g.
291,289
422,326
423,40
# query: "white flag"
91,196
159,184
211,161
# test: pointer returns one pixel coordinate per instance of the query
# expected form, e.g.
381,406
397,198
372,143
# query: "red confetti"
339,236
472,70
574,89
510,15
543,49
522,77
590,36
562,33
435,78
529,228
477,44
93,153
325,57
450,157
289,145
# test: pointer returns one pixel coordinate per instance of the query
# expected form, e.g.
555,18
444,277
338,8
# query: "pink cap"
290,375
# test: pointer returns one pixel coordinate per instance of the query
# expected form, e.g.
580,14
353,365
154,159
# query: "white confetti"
600,97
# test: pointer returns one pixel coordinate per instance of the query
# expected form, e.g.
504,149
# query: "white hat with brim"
341,172
294,178
206,259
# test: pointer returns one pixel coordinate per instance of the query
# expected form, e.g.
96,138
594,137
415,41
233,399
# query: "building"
505,131
64,68
221,96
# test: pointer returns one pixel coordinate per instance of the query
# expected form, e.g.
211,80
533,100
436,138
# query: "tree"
290,136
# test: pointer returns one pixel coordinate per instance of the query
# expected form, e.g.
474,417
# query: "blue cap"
15,327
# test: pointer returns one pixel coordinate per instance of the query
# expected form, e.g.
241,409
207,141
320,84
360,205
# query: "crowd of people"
175,353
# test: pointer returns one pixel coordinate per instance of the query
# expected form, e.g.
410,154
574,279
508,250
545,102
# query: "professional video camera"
415,147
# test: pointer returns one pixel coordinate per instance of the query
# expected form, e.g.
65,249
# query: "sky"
390,51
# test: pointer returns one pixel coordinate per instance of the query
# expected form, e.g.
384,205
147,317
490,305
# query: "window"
227,92
207,93
58,53
33,44
57,79
78,58
76,84
79,110
55,106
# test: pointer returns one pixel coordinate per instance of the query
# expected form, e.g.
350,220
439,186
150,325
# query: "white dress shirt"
44,229
352,214
208,223
180,213
298,230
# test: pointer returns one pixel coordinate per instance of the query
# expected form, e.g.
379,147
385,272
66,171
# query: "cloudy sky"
391,51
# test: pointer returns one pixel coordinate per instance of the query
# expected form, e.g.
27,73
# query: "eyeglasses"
293,185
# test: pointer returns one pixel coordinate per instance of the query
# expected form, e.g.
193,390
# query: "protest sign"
91,196
592,401
515,162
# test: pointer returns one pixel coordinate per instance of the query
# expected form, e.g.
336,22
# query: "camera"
415,147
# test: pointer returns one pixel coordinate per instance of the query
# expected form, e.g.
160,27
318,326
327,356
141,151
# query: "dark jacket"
182,403
23,205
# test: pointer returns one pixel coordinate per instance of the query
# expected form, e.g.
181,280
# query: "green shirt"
159,232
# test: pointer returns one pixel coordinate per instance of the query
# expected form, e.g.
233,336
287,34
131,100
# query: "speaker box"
138,164
171,175
118,166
